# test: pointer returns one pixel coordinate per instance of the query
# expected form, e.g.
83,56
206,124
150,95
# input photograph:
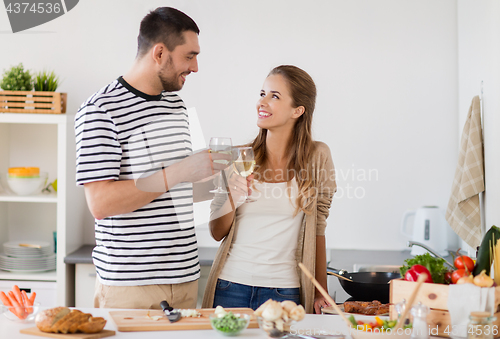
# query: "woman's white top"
265,239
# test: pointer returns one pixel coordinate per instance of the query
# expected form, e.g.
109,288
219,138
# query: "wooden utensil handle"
325,294
339,276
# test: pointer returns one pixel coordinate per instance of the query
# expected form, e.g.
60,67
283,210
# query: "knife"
172,315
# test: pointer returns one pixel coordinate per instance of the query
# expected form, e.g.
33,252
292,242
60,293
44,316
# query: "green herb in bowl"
229,323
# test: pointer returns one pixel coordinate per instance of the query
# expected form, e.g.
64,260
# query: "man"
146,248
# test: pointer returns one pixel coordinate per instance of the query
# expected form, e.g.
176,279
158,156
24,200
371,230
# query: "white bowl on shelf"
27,185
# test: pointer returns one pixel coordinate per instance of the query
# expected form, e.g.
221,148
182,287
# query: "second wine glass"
220,145
244,163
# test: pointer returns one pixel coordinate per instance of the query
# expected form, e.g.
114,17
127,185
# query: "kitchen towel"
464,299
463,213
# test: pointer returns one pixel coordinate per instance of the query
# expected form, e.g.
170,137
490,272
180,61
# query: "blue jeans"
230,294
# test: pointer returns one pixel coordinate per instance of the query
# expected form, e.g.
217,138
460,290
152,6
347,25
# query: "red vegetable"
413,273
461,272
464,261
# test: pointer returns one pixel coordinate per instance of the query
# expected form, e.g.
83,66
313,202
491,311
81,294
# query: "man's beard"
170,84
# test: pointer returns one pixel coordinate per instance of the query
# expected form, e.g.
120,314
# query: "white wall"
386,73
479,61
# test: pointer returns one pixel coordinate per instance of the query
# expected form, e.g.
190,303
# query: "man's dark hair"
166,25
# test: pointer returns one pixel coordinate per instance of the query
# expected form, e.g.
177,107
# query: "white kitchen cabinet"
45,141
85,276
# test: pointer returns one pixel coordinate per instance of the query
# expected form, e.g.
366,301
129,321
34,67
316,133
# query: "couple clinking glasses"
146,249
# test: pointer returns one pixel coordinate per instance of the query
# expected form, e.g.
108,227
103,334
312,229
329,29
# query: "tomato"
464,261
461,272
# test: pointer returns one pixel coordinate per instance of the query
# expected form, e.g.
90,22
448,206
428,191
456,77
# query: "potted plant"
19,83
45,81
17,79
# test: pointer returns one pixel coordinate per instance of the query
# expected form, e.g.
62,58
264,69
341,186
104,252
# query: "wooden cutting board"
36,331
138,320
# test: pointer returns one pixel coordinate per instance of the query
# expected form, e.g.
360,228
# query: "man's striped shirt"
121,134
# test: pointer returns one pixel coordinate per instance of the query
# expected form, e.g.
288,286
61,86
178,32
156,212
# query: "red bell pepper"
416,270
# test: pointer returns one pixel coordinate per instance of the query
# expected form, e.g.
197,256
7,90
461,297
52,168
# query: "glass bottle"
480,326
420,327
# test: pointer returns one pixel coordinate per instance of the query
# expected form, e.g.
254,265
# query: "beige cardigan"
312,225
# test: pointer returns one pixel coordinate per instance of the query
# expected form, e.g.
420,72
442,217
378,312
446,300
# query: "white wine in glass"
224,146
244,163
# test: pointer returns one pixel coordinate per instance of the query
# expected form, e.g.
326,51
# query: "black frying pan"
366,286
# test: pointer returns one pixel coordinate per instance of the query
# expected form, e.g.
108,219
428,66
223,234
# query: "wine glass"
244,163
220,145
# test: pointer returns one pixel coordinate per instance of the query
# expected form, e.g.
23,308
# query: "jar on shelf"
481,326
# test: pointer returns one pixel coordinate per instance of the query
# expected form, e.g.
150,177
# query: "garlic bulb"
297,313
288,305
273,311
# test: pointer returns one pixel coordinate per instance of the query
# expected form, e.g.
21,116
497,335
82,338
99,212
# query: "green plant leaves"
45,81
17,79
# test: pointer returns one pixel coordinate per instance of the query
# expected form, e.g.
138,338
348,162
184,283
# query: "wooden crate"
32,102
434,296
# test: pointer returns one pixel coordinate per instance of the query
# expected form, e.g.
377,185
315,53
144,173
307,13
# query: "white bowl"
27,186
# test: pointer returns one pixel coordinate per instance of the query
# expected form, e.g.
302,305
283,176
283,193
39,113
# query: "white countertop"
311,325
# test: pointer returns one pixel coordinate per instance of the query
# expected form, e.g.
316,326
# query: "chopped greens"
434,265
229,323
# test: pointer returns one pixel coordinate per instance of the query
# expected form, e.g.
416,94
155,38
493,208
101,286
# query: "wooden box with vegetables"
434,292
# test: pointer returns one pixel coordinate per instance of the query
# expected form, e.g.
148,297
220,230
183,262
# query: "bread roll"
73,326
47,318
64,320
93,325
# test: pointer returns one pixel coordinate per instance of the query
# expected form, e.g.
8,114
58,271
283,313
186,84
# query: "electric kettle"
429,228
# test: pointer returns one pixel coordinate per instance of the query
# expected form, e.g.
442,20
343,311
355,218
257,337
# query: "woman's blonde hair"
300,145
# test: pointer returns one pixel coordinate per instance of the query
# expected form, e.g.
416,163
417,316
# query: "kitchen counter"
340,259
311,325
83,255
349,260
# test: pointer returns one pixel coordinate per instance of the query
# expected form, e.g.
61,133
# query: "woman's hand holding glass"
244,165
238,186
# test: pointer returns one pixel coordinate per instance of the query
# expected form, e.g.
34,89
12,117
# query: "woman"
294,185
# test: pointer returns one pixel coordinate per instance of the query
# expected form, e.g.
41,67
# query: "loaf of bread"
64,320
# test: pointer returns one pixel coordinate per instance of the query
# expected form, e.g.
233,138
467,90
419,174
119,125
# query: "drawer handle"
27,290
92,275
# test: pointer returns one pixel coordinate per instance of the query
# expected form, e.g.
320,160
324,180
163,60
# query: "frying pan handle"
334,270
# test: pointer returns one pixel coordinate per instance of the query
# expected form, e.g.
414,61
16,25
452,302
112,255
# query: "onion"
468,279
482,280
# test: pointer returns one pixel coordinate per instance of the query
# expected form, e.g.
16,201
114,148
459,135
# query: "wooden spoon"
421,278
325,294
338,276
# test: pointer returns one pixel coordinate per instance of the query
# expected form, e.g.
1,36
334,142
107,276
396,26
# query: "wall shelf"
45,141
38,276
44,198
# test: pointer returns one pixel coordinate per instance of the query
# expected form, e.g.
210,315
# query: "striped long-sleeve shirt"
121,134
